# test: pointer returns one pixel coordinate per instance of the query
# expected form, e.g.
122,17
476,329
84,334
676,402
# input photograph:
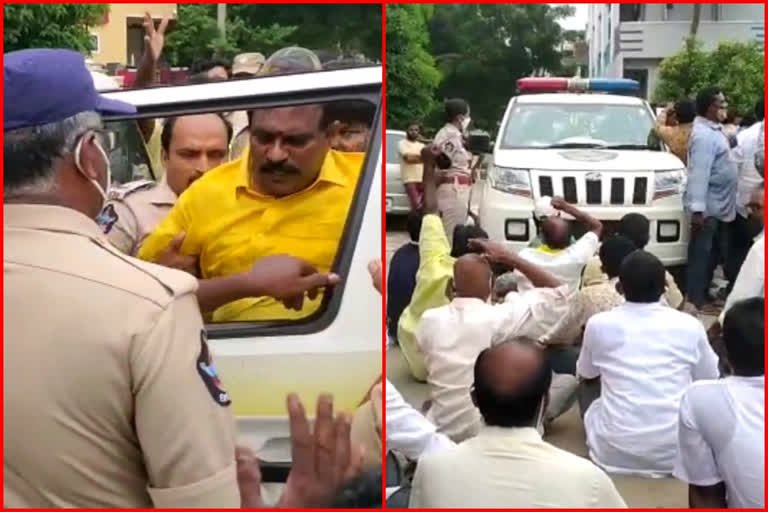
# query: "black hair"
642,277
760,109
612,253
203,78
363,491
414,225
685,109
205,65
454,108
748,120
417,124
462,234
167,133
636,227
350,111
705,99
744,337
516,408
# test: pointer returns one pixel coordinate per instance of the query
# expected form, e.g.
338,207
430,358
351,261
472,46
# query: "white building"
630,40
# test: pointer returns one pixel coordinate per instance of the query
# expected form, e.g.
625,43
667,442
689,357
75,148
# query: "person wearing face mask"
455,182
508,464
709,200
107,354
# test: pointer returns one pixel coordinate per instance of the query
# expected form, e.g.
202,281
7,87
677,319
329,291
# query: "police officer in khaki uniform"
455,183
111,396
191,146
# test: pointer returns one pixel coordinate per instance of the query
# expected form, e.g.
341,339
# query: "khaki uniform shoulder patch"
120,192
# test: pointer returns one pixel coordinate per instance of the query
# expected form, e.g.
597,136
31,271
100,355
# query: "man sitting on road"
508,464
605,296
721,452
556,254
436,259
637,228
635,363
288,194
451,337
192,145
401,278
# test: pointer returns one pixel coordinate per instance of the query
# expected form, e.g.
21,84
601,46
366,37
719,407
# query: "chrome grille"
591,188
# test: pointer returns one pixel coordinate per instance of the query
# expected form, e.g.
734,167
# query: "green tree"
50,25
412,77
738,68
483,49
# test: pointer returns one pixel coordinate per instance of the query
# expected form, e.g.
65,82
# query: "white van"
592,148
396,199
338,350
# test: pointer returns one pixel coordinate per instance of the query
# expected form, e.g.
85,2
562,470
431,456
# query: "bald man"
450,337
564,260
508,462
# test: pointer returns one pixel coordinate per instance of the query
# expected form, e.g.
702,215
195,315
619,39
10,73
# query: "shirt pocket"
316,243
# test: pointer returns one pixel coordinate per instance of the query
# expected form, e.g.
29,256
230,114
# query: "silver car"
396,200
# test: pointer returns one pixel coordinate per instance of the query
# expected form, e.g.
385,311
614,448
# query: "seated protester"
721,452
555,254
751,279
351,126
436,260
401,279
288,194
450,337
191,146
644,355
605,296
508,464
637,228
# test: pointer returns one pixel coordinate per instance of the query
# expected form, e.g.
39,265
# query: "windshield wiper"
567,145
626,146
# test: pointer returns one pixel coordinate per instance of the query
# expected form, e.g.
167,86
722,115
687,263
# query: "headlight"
668,183
512,181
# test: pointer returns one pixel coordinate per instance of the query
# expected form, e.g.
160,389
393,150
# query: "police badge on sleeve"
209,374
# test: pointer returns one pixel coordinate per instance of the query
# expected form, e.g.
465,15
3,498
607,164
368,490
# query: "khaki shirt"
451,142
676,137
410,173
133,211
111,399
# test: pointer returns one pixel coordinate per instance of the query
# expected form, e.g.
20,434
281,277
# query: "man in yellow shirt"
288,194
436,259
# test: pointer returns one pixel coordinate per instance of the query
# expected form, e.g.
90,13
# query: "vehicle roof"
580,99
282,84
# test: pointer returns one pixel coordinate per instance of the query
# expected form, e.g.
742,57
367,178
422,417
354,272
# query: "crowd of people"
97,418
490,332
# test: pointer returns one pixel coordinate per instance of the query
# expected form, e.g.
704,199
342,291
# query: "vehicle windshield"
393,139
548,125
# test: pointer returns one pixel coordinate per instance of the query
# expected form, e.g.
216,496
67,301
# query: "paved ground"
567,432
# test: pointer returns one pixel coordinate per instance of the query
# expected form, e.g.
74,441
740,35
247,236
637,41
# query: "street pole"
221,19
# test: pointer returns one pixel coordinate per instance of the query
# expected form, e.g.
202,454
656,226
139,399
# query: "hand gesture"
154,38
248,478
494,251
287,279
374,268
558,203
172,257
322,461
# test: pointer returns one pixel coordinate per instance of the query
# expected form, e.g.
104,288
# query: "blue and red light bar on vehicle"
552,84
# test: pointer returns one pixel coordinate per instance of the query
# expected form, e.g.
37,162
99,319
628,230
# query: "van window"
541,125
337,141
393,139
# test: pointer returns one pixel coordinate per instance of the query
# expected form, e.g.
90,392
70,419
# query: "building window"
95,44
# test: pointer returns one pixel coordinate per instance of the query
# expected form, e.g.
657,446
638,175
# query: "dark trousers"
563,359
415,192
743,231
709,245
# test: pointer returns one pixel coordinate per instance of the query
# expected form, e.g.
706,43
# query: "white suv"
594,150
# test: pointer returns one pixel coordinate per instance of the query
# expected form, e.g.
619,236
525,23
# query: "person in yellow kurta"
289,193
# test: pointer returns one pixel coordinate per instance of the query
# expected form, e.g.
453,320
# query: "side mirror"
479,142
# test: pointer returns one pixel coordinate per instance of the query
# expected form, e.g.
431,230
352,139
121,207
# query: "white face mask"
465,123
96,184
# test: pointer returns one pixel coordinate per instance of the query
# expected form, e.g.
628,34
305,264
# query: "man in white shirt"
564,261
451,337
721,451
645,356
508,464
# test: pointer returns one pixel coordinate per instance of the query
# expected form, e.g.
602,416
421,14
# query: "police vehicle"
591,142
